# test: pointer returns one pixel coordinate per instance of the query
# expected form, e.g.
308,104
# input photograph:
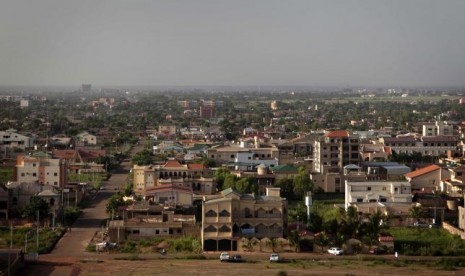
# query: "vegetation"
426,242
47,238
37,206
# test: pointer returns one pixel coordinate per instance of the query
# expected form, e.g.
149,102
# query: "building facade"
232,216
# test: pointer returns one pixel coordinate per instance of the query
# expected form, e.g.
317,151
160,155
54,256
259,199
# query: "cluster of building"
337,161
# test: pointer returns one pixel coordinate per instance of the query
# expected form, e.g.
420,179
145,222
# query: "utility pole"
37,236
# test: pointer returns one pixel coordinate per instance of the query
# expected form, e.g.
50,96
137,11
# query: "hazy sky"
199,42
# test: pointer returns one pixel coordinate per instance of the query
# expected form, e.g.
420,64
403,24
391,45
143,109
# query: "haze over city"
249,43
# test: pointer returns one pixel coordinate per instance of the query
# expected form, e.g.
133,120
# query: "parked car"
421,224
224,256
378,251
237,258
335,251
274,257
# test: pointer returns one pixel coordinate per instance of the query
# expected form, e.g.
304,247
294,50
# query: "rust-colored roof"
89,154
337,134
386,239
168,187
388,150
66,154
195,166
422,171
172,164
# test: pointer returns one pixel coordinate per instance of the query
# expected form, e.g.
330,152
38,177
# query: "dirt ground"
104,264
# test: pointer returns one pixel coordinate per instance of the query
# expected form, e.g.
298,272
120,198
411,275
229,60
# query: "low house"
377,191
146,227
455,184
170,195
85,138
427,179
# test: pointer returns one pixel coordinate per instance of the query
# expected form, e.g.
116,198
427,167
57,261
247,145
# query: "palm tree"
248,244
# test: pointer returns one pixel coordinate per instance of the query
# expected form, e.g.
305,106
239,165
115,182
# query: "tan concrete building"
43,170
232,216
194,176
427,179
146,227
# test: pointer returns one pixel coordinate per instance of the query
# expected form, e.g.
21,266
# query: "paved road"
74,242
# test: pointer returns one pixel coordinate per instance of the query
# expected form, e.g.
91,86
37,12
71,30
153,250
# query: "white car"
224,256
335,251
274,257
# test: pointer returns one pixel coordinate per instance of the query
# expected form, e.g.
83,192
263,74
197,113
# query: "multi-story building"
13,139
42,170
165,224
332,152
186,104
193,176
375,191
336,149
437,129
206,112
244,156
426,145
295,150
232,216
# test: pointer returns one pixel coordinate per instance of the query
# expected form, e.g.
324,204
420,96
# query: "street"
72,246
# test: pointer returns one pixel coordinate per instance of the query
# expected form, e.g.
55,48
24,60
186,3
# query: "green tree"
416,212
286,186
36,204
114,202
142,158
220,175
302,183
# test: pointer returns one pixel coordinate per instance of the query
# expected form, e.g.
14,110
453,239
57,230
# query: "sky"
232,43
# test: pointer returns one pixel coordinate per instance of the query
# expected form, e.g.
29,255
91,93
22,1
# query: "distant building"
85,138
86,87
274,105
426,145
206,112
438,129
24,103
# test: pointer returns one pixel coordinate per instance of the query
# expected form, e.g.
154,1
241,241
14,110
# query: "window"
359,199
34,174
232,155
55,174
368,188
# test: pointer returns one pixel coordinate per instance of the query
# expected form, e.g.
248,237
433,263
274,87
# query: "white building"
376,191
438,129
85,138
13,139
45,171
